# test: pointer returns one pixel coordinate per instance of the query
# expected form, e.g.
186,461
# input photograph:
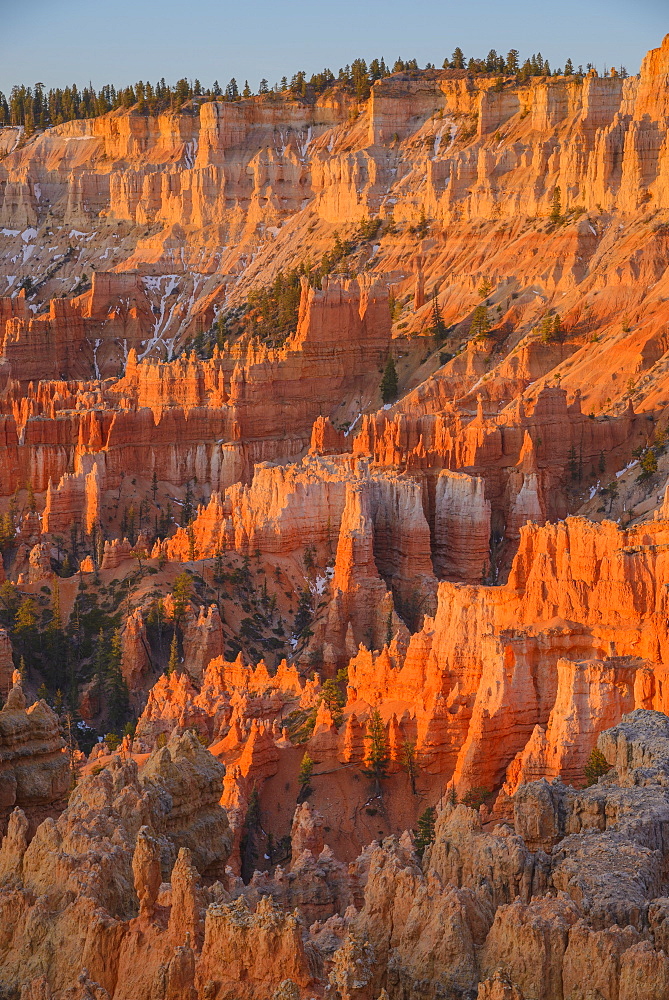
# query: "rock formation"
354,587
34,771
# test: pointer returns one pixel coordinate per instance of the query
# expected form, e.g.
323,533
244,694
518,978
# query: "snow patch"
10,232
190,152
95,357
439,136
346,434
304,146
630,465
164,285
28,234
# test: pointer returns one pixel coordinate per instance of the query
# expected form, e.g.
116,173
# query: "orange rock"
135,663
115,552
202,641
259,758
258,949
461,528
307,831
171,704
591,696
34,773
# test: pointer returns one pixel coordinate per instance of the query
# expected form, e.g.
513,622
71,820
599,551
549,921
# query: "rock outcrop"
34,771
99,867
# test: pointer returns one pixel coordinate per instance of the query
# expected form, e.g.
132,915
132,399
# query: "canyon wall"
364,635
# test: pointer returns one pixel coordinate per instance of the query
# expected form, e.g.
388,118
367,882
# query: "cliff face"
574,639
196,168
171,209
212,420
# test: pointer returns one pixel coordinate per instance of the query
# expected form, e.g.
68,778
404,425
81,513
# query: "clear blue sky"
122,41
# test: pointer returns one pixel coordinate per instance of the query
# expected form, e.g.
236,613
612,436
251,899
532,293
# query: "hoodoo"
334,522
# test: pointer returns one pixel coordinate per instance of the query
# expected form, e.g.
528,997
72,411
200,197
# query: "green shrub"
596,766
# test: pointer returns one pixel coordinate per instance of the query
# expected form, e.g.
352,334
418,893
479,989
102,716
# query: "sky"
59,42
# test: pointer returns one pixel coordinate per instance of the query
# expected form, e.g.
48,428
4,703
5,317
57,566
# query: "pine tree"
480,323
154,485
187,509
389,627
248,847
181,591
304,776
55,639
25,628
484,289
7,531
116,690
377,757
99,663
173,662
512,63
438,327
389,382
71,745
424,835
556,205
409,762
304,615
648,463
56,620
550,329
334,698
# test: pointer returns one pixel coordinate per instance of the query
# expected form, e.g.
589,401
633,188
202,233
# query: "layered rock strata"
34,772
